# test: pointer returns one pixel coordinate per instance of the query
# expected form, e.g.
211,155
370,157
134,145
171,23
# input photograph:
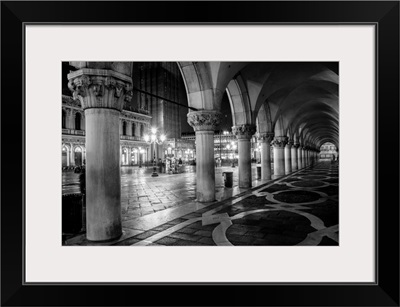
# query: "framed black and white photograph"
164,149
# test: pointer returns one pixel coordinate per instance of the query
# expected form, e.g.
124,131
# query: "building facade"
328,151
158,88
133,125
226,147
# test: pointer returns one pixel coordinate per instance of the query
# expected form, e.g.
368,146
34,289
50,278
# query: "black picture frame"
383,14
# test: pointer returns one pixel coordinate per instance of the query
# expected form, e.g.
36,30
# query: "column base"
204,199
107,240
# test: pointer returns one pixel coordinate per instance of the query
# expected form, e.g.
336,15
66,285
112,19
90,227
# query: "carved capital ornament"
244,131
206,120
99,88
290,143
265,137
280,141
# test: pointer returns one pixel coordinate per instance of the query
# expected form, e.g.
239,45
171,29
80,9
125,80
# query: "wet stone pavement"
142,194
298,209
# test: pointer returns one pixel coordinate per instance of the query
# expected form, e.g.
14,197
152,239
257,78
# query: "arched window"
78,118
133,129
64,119
123,128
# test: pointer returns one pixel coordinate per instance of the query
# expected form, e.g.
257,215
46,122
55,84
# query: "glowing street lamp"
156,140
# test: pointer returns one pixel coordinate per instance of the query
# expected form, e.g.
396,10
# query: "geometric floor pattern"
300,209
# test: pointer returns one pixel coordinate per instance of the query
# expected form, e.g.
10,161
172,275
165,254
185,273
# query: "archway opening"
328,152
78,156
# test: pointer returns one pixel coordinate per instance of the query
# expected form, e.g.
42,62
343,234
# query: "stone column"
68,155
243,134
279,144
102,93
204,123
288,157
72,155
68,118
294,158
129,128
299,157
265,140
303,157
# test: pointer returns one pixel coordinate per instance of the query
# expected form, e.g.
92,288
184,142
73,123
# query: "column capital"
205,120
289,144
244,131
280,141
100,88
296,145
265,137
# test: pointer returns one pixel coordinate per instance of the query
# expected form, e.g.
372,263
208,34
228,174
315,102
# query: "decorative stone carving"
69,101
244,131
204,120
266,137
290,143
127,114
98,88
296,145
279,141
128,96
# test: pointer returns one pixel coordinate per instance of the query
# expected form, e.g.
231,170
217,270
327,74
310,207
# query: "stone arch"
206,82
65,155
239,102
279,127
263,119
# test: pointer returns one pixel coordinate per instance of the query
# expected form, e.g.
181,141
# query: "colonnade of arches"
134,154
290,106
73,155
131,128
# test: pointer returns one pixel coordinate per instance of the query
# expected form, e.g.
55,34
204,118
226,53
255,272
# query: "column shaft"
244,148
68,156
205,171
294,159
303,158
103,183
288,159
279,162
129,128
299,158
72,155
266,161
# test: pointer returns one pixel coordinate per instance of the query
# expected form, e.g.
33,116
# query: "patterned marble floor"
299,209
142,194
